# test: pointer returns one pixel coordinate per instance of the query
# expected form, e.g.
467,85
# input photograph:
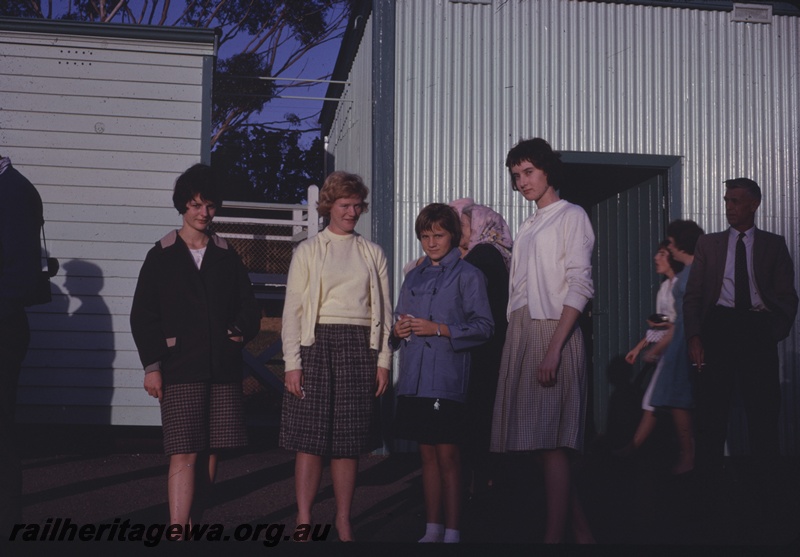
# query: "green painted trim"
670,163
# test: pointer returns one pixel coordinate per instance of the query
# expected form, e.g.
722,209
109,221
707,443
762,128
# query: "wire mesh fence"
265,234
264,248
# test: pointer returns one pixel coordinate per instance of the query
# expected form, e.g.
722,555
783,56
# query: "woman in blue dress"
674,389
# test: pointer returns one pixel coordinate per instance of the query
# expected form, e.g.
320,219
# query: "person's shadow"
91,336
68,375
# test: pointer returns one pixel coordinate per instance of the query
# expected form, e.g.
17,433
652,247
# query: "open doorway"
629,199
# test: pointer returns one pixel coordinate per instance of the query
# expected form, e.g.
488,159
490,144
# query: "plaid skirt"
338,416
198,417
527,416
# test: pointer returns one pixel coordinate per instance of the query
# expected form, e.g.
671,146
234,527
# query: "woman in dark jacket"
193,311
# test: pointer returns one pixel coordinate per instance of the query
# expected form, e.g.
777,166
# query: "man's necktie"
741,279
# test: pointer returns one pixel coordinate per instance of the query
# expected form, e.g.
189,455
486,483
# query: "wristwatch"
438,329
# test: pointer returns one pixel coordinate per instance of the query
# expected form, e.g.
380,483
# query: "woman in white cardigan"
541,392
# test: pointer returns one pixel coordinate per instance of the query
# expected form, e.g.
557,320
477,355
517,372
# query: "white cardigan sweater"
301,308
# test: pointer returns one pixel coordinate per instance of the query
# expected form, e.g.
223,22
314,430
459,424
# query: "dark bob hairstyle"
685,234
675,265
538,152
198,180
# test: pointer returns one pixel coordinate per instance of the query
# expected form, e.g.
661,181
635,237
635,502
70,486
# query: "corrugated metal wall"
589,76
599,77
350,137
472,79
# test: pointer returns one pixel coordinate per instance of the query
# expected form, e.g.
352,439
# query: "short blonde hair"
341,184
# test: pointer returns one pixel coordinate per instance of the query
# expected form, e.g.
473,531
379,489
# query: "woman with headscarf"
485,243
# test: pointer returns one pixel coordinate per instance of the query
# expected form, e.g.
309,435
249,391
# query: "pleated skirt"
527,416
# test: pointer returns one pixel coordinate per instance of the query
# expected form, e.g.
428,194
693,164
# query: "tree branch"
164,12
36,7
110,16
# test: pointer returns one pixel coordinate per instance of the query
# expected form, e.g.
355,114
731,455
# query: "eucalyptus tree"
267,50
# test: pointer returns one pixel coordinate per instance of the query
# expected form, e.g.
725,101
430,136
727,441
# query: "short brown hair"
443,215
341,184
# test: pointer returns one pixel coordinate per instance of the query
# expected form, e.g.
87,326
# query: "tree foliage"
265,49
265,165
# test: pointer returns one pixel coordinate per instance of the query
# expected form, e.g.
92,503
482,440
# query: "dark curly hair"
675,265
685,234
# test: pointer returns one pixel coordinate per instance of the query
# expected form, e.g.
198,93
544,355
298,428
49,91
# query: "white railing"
265,235
302,215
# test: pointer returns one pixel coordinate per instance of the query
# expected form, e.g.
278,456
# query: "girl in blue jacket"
441,313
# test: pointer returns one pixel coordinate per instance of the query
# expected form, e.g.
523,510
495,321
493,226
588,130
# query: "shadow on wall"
69,368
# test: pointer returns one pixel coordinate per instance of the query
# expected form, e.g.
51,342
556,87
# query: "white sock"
433,533
452,536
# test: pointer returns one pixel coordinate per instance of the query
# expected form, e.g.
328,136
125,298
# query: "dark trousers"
739,352
14,338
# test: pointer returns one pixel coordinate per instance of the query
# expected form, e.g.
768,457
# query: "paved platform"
98,475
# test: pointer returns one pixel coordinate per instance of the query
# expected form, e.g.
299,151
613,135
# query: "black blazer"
181,315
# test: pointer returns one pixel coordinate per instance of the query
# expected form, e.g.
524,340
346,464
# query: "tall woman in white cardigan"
541,392
336,324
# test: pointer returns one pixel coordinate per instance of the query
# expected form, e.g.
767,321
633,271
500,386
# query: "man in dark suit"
740,302
20,266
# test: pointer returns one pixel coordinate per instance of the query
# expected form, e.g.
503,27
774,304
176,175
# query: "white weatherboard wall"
102,126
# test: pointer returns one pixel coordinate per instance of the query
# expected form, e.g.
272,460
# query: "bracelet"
438,329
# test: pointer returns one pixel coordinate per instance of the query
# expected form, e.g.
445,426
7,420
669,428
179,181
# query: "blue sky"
317,64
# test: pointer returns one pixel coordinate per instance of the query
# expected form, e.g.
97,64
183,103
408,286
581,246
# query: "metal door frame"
671,168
